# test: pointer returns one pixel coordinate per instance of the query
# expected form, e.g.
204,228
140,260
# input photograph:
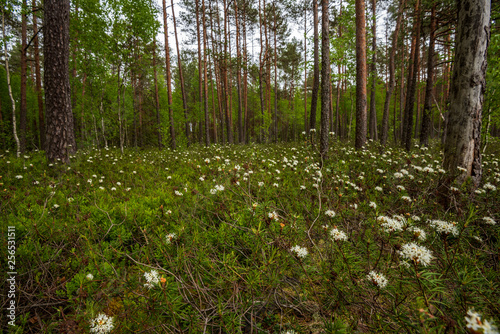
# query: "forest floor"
249,239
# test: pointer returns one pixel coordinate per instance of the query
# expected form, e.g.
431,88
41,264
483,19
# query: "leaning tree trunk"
60,134
325,79
360,75
462,145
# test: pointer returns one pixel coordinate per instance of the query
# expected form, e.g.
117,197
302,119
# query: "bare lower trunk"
462,145
360,75
426,117
325,80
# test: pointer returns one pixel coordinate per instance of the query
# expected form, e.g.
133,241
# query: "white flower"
213,191
444,227
378,279
273,215
89,181
406,198
338,235
201,179
70,199
56,206
152,278
102,324
207,160
378,188
113,189
391,224
275,185
418,232
415,218
398,175
489,220
400,188
178,193
170,237
330,213
90,277
417,254
19,177
299,251
261,184
489,186
475,325
302,187
373,205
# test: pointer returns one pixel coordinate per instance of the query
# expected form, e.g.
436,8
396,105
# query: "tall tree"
315,88
325,79
41,116
426,117
360,74
173,142
412,79
205,76
9,85
392,77
24,69
60,133
373,70
181,75
462,145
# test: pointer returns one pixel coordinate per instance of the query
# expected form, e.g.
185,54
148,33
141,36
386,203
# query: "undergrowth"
250,239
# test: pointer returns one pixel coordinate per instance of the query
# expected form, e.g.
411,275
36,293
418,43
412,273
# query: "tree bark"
360,75
462,146
24,69
412,80
426,117
173,142
6,58
181,77
392,77
325,80
60,134
41,117
373,105
205,76
315,88
157,99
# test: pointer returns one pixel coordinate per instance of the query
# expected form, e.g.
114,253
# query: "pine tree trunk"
315,88
462,146
426,117
205,76
60,134
157,99
325,80
41,117
392,77
181,77
173,142
373,105
412,80
24,69
360,75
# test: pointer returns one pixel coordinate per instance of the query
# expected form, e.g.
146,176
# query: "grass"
217,227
